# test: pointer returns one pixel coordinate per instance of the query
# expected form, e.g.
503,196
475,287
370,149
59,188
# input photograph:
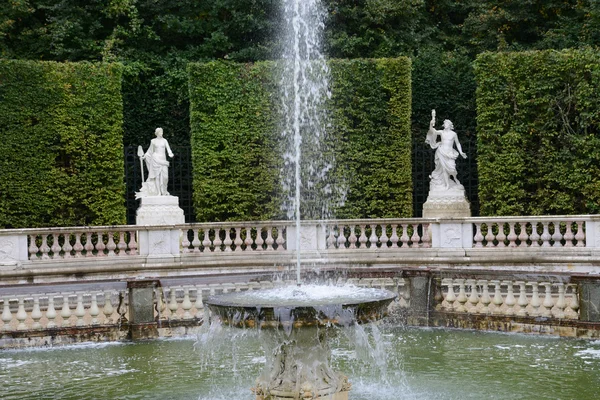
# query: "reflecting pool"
420,364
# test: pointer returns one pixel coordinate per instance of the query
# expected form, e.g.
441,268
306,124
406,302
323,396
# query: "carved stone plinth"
447,204
159,210
298,367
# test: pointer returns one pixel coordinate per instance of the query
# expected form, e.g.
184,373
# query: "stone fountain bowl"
294,307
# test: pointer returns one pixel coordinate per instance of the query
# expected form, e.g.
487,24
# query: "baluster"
44,248
557,236
522,302
94,310
89,246
65,311
33,249
498,300
6,314
535,236
580,235
450,296
394,238
21,314
489,236
51,312
248,241
510,300
373,239
414,239
523,235
548,301
185,240
55,246
352,238
36,313
384,239
478,238
122,245
535,302
196,242
186,305
206,241
217,242
362,239
280,241
111,245
259,239
78,247
238,242
331,239
79,310
425,239
173,306
199,304
100,244
341,239
569,236
485,299
67,248
228,241
561,303
269,240
462,296
474,297
501,236
132,243
512,236
404,237
546,234
108,309
574,303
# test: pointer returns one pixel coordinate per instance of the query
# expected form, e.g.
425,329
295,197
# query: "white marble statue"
443,177
158,166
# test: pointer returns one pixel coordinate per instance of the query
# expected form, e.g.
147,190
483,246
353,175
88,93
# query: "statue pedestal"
159,242
159,210
450,203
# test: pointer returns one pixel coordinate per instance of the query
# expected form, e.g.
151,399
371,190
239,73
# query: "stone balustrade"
62,309
380,234
510,297
63,243
530,232
231,237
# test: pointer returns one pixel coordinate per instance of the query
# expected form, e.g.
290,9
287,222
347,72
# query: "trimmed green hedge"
236,140
538,132
62,149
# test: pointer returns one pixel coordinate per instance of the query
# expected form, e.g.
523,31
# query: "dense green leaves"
538,115
62,149
236,145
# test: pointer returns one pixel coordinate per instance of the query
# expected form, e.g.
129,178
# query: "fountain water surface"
296,321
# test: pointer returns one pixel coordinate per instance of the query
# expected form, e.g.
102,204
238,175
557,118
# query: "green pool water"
420,364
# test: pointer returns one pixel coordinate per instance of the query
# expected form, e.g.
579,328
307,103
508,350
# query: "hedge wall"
62,150
538,132
236,140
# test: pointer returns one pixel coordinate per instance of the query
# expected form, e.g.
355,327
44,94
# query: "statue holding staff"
443,176
158,167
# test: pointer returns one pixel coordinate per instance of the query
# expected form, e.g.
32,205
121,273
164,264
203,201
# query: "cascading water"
304,90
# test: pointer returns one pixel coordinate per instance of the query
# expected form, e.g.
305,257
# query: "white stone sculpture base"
159,210
447,204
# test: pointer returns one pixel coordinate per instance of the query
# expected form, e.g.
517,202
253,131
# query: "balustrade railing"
234,237
62,309
510,297
381,234
529,232
63,243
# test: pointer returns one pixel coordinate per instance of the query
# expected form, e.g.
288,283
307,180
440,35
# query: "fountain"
297,321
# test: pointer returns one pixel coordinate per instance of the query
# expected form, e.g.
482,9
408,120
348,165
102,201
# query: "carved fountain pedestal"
450,203
296,323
